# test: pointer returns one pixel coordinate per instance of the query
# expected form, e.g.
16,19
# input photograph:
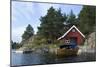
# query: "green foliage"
28,32
72,19
39,40
52,24
15,45
87,19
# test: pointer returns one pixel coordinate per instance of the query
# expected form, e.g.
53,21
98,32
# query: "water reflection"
33,58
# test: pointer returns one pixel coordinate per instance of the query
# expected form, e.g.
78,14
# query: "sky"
24,13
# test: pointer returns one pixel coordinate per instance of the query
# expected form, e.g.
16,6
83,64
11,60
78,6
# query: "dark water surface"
34,59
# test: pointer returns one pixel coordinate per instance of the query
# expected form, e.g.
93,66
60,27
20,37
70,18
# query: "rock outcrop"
91,40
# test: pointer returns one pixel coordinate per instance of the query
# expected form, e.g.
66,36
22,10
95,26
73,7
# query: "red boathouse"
72,36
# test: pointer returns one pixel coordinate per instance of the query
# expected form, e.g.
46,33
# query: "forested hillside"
55,23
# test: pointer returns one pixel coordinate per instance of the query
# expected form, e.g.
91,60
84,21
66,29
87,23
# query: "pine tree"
72,19
28,32
87,19
52,24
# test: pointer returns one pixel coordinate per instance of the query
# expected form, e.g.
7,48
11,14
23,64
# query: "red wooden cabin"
73,35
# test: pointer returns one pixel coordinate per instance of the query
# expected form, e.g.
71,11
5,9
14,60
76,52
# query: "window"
67,41
73,30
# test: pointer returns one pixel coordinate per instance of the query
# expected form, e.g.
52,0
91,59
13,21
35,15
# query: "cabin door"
73,41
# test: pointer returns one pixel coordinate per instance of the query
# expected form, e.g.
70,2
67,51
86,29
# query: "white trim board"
69,31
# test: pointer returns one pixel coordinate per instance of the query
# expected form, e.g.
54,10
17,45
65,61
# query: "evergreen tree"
87,19
15,45
52,24
28,32
72,19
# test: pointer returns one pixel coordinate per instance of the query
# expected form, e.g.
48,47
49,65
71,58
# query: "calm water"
34,59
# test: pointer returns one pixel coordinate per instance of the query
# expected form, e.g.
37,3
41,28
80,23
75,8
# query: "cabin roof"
69,31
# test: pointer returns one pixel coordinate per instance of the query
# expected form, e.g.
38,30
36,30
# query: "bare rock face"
91,40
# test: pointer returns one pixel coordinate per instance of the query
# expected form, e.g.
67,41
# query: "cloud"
17,33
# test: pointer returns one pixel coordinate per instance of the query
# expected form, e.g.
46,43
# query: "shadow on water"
48,58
